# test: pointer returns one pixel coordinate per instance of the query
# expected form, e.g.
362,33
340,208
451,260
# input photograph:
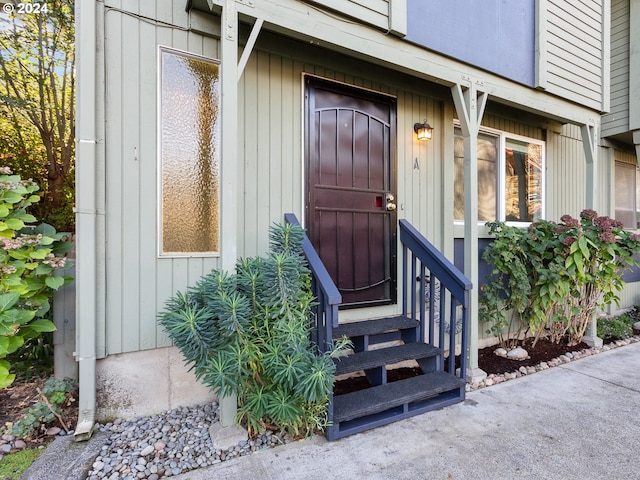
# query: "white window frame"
502,137
159,223
635,191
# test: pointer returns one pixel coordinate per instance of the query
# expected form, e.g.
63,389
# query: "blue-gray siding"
497,35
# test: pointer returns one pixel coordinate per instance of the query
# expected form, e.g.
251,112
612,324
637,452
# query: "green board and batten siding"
270,166
138,283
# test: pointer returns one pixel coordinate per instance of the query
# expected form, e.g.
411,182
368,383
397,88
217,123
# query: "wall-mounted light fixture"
423,130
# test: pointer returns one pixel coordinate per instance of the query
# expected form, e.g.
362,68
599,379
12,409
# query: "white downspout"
88,221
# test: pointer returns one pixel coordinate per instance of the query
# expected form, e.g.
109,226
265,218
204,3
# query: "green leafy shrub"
505,299
620,326
29,258
568,270
248,334
55,395
35,357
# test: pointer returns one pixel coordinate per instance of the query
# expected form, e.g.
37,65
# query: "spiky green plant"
247,334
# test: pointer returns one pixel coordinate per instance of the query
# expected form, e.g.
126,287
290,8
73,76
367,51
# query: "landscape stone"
517,353
149,449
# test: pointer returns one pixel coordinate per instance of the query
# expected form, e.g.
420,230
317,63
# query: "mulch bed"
22,394
543,352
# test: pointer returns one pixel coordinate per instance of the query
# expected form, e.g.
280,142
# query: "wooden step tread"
382,397
374,327
384,356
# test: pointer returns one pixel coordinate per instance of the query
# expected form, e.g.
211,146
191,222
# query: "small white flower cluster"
20,241
8,185
8,269
55,262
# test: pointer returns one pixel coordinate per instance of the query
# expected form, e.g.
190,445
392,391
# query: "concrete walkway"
577,421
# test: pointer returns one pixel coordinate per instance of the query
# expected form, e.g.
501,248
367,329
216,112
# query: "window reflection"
523,181
487,177
515,194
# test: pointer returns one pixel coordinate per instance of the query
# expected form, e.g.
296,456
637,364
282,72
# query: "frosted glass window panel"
189,149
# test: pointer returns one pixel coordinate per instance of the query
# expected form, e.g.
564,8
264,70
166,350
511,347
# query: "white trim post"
470,107
228,162
590,144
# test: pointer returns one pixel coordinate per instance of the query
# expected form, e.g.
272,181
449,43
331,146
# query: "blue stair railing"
435,297
435,292
324,289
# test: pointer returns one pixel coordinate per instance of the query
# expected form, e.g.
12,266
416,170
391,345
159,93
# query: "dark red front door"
351,189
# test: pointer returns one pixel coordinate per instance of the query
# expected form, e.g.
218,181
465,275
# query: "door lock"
389,200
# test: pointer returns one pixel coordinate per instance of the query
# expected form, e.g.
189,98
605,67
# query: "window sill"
483,230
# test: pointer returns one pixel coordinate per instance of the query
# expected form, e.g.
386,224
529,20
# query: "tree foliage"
37,104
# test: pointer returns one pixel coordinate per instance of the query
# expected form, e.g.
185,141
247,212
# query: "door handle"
389,200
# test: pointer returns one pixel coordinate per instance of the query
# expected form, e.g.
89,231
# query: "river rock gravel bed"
167,444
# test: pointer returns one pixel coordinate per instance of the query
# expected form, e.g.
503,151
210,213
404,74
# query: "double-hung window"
510,177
